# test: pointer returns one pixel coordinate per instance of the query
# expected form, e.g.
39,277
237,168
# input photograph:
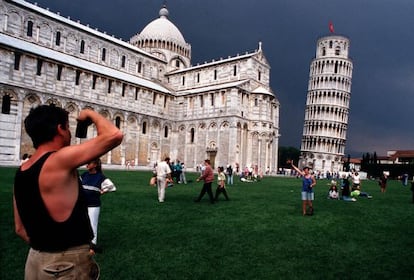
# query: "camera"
82,128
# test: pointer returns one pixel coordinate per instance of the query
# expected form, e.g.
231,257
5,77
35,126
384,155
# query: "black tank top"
45,233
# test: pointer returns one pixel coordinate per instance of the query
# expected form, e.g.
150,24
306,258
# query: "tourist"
333,191
383,182
345,189
229,174
95,184
50,210
221,179
356,180
208,178
308,182
183,179
163,178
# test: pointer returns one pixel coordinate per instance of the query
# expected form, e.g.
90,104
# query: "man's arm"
108,137
207,172
58,179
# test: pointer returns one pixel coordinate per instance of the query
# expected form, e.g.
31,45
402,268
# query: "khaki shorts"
74,263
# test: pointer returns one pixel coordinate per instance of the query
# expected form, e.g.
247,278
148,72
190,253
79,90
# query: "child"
333,191
94,184
221,178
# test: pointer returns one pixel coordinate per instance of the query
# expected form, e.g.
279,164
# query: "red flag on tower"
331,27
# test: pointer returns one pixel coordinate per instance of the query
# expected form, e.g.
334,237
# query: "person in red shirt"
208,178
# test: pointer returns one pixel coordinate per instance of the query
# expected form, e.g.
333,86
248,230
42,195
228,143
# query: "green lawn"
259,234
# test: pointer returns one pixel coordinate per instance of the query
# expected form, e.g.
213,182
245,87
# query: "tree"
347,163
374,158
288,153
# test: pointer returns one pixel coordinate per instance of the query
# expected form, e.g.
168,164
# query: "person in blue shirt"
94,184
308,182
178,170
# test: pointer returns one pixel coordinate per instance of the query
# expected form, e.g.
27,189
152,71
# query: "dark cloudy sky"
382,51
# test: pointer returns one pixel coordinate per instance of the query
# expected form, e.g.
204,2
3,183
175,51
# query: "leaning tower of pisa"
327,106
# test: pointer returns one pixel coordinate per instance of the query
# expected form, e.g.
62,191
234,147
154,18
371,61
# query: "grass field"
259,234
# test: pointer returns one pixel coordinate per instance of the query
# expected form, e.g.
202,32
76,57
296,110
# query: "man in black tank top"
50,212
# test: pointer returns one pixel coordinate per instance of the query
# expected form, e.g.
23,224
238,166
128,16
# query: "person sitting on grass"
356,192
346,192
333,191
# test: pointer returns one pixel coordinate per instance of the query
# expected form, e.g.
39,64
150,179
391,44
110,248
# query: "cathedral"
223,110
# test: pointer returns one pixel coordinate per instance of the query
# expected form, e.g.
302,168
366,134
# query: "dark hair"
207,161
98,163
221,168
42,122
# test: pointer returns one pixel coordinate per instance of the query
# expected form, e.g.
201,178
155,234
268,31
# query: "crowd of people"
56,210
349,188
166,173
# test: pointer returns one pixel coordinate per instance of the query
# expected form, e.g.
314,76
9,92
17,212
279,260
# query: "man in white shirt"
356,180
163,172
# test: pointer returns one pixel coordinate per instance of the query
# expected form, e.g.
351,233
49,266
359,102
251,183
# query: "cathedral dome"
162,29
162,38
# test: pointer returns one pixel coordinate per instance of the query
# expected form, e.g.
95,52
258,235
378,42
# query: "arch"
71,107
181,129
154,145
54,101
156,125
224,125
105,113
132,120
114,57
71,42
212,126
212,145
32,99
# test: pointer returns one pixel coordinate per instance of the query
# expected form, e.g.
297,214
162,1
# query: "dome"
162,29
